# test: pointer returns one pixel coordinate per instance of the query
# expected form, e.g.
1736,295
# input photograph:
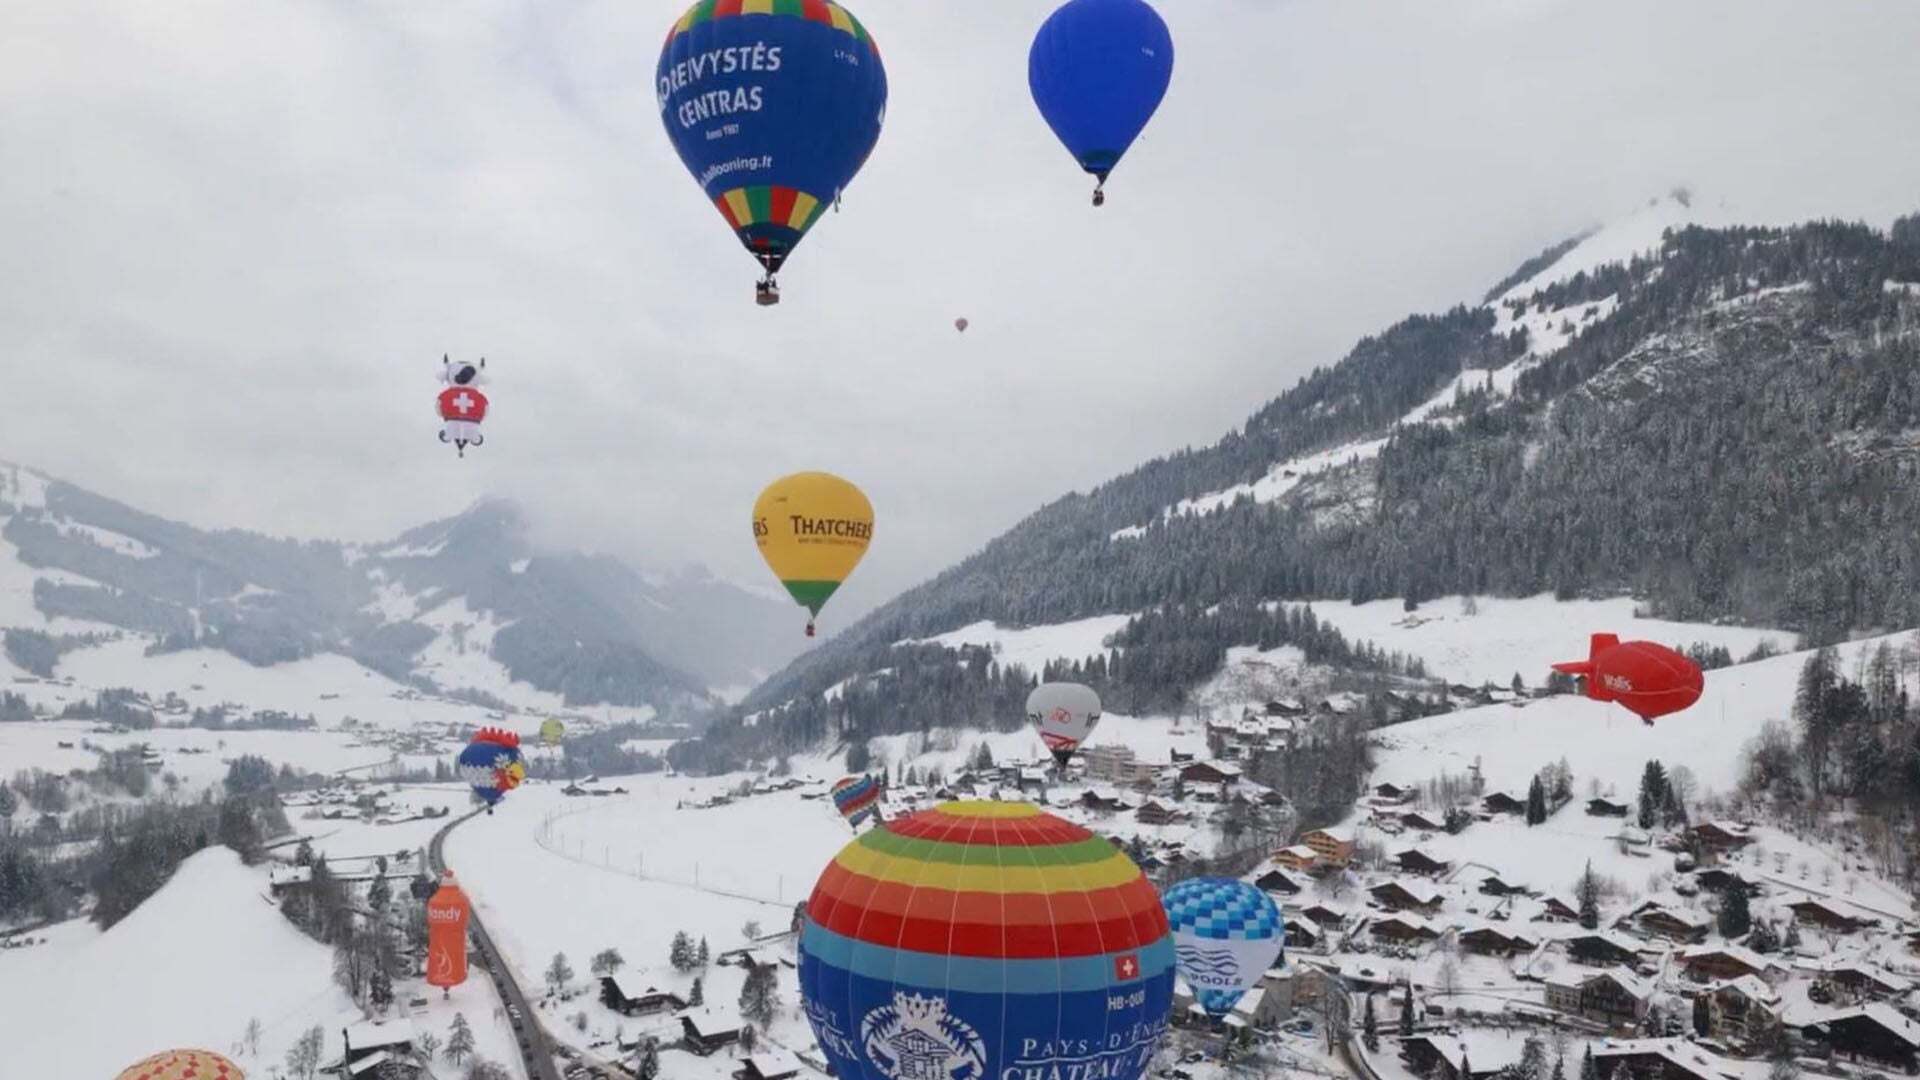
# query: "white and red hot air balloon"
462,404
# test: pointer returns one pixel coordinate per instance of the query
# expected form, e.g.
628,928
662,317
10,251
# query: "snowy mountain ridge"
468,605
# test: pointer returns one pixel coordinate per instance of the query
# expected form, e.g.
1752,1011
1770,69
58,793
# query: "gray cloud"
239,234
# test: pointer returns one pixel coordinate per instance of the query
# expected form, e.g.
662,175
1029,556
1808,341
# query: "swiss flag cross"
463,403
1127,966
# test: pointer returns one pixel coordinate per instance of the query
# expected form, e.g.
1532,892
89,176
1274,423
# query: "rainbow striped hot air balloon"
857,798
981,941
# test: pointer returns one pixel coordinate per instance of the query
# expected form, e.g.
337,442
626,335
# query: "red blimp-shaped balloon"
1650,680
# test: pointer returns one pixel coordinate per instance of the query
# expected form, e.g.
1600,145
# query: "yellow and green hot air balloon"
812,528
552,731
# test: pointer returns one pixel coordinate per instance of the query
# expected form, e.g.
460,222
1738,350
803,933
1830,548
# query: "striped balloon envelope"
856,797
183,1065
982,941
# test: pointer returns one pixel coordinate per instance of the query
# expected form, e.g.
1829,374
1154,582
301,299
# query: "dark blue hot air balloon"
1098,69
773,105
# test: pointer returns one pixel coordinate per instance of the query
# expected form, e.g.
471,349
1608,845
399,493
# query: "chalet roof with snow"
1336,834
712,1020
1405,922
290,875
632,987
1300,851
1682,1057
1828,910
769,1064
1738,953
1417,892
1859,970
1750,987
379,1034
1880,1015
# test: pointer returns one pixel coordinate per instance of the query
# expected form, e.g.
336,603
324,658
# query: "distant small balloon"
960,325
1064,714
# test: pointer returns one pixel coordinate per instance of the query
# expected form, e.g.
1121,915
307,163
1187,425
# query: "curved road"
535,1057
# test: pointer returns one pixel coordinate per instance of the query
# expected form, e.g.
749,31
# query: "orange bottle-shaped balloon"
447,934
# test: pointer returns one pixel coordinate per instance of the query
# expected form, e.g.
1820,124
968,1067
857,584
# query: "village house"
1717,879
628,996
1616,998
1155,812
1404,928
1495,885
1676,924
1557,909
1304,933
710,1027
1722,836
1447,1057
1210,772
1660,1059
1602,947
1831,915
376,1048
1423,820
775,1064
281,879
1334,846
1415,861
1877,1032
1116,763
1718,963
1606,808
1409,895
1325,915
1855,980
1500,802
1496,941
1299,858
1280,882
1742,1010
1391,792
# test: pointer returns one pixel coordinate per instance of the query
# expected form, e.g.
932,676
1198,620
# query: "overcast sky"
237,235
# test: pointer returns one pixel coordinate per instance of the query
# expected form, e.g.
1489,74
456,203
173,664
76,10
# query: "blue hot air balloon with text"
773,105
1098,69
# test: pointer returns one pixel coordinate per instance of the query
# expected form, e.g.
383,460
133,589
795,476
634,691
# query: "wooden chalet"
1607,808
1304,933
1334,846
1496,941
1495,885
1660,1059
1210,772
1722,836
1299,858
377,1048
1403,928
1445,1057
1876,1032
1742,1010
1719,963
1616,998
1155,812
1278,881
1830,915
768,1065
1392,792
1500,802
710,1028
1852,979
1556,909
628,996
1323,915
1406,896
1718,879
1602,947
1424,821
1675,925
1415,861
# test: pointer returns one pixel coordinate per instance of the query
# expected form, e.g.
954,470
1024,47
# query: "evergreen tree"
459,1040
1792,939
1587,895
1406,1012
1813,709
703,957
1560,1064
1702,1017
1735,918
380,990
379,894
759,996
680,954
1762,939
1519,684
1370,1028
1589,1070
648,1065
1653,793
1536,802
697,995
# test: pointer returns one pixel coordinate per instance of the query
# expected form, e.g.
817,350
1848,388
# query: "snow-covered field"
1603,741
1031,647
1525,635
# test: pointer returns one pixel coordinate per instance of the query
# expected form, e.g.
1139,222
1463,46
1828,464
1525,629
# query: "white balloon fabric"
1064,714
1226,935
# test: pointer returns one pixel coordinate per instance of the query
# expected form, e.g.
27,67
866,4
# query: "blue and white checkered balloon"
1226,935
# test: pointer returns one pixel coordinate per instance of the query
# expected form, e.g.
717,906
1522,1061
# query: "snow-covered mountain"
1718,421
468,606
